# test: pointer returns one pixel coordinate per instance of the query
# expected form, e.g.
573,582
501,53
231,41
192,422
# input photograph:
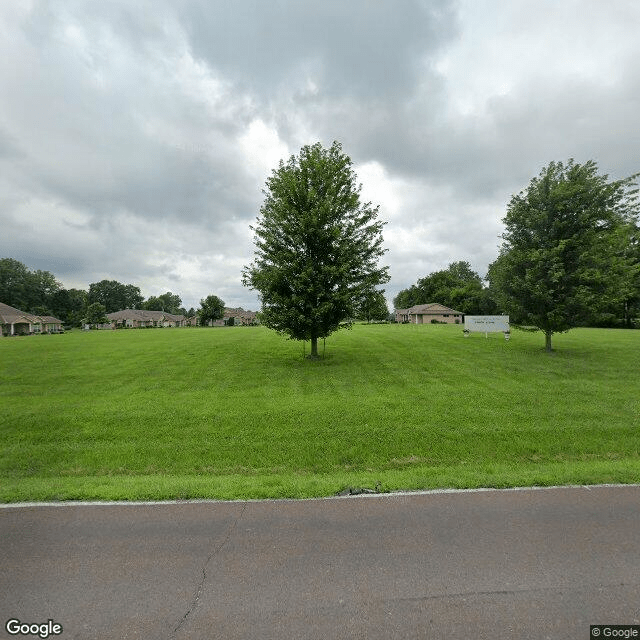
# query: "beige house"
239,315
425,313
139,318
14,322
50,324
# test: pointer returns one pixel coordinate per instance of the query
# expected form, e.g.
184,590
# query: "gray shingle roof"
143,315
11,315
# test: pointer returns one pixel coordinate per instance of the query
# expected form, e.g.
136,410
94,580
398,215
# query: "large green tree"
24,289
630,307
43,287
624,310
317,246
167,302
211,308
96,314
373,306
70,305
14,283
115,296
563,254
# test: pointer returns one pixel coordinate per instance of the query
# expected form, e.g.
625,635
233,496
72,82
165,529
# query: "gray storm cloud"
135,138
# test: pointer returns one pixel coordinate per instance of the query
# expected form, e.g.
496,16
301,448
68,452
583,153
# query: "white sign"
486,324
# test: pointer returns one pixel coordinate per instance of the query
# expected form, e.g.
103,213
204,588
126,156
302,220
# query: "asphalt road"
487,564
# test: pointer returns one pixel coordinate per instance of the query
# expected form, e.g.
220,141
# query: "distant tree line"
457,287
40,293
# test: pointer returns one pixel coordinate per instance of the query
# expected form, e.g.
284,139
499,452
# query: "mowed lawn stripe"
404,405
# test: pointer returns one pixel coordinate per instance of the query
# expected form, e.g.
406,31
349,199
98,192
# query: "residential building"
240,316
234,316
15,322
139,318
426,313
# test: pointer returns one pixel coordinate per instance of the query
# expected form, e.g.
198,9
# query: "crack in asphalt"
200,587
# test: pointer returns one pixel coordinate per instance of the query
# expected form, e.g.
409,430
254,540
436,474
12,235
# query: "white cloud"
262,149
381,189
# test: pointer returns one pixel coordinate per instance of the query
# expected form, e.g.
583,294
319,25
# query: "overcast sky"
136,137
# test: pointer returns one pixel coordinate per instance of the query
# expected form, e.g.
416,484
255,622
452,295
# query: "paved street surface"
487,564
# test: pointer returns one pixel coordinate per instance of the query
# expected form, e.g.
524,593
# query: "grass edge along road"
236,413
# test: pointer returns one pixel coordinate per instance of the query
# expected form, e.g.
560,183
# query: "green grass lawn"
238,413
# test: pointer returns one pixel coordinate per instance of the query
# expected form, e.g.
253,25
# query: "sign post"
487,325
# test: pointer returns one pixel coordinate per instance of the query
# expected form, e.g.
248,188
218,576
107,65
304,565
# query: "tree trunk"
314,347
547,337
626,316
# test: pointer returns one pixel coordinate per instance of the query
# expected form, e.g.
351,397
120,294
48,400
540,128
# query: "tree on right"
565,255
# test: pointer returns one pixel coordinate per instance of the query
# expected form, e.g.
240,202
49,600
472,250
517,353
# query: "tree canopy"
317,246
70,305
211,308
373,306
25,289
95,314
115,296
457,287
630,307
565,253
167,302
